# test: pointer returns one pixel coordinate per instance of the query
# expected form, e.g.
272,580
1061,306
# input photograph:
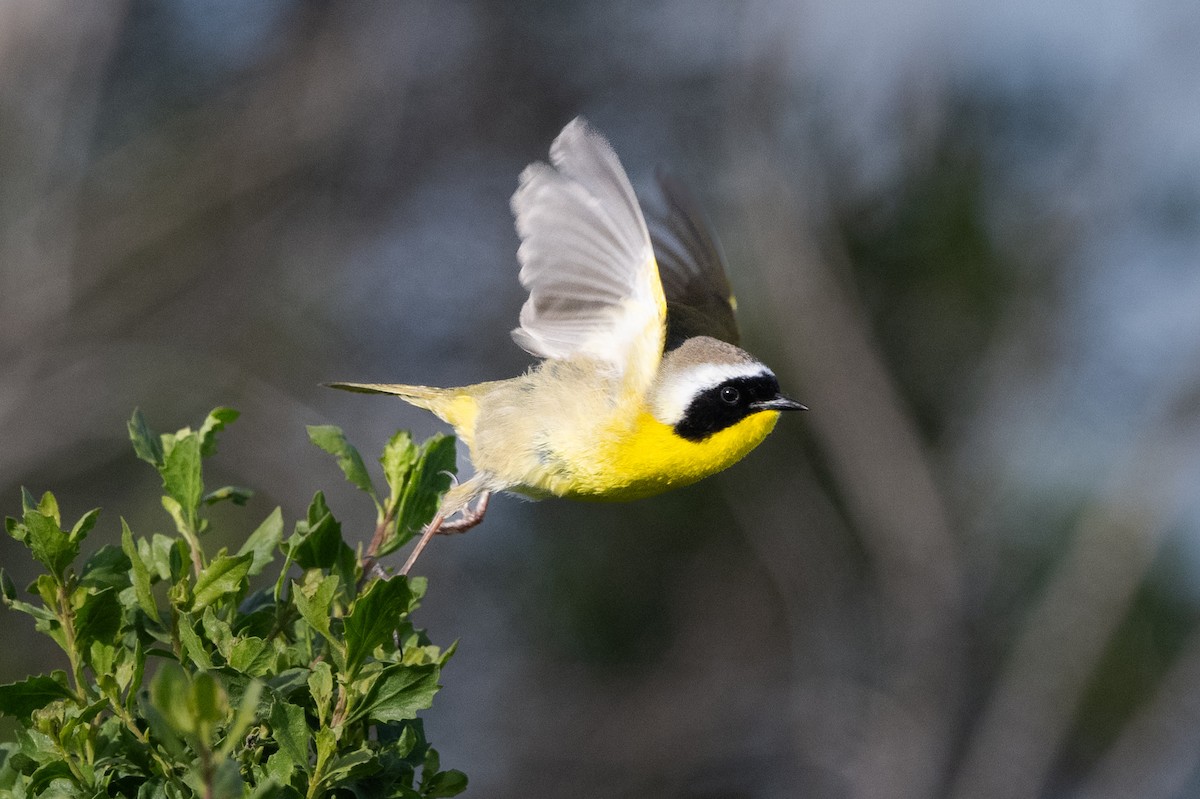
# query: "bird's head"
706,385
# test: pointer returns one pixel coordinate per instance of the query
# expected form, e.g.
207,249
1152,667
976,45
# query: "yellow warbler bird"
642,387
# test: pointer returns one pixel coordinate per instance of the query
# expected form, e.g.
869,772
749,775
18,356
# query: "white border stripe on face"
674,397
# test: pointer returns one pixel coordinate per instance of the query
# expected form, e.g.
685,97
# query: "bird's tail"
457,406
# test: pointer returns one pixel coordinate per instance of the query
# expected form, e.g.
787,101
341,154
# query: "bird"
640,386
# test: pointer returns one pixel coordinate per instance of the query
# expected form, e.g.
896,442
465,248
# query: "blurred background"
966,234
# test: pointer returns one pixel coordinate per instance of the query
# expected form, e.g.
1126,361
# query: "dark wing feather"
699,299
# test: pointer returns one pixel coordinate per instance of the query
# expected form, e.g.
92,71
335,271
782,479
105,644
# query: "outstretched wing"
587,261
699,299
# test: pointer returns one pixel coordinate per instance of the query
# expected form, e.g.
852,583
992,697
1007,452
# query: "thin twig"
372,553
377,539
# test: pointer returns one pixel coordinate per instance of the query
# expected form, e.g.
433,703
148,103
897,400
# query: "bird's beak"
778,403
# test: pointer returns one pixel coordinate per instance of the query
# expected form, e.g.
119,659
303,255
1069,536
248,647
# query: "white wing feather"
587,261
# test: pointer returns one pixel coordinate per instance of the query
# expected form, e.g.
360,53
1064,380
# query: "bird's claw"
468,517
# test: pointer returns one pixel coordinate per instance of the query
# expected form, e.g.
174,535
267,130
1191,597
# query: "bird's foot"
468,517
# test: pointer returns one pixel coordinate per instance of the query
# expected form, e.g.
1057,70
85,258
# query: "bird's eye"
730,395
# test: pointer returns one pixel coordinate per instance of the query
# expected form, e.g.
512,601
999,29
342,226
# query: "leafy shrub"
182,682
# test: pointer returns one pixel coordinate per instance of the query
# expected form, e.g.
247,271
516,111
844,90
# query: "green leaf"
209,699
399,456
193,647
432,764
331,439
130,661
146,442
246,712
20,699
318,543
153,788
279,768
235,494
291,681
290,732
423,490
98,618
374,618
139,575
50,545
39,781
47,589
226,781
258,614
252,656
399,693
102,657
401,738
108,567
445,783
316,603
45,619
263,541
180,593
28,503
165,556
320,686
47,506
182,479
136,659
184,523
356,764
170,695
221,577
82,527
219,632
215,423
273,788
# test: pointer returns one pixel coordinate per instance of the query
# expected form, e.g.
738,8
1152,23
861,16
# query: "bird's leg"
468,518
429,533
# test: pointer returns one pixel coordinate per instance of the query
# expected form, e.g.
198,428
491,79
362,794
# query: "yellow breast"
648,458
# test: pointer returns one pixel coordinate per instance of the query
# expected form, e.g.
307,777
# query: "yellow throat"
651,458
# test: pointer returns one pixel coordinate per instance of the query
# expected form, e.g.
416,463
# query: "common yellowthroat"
642,387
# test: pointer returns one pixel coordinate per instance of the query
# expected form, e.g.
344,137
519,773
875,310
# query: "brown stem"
192,537
67,617
197,561
372,553
206,771
339,708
